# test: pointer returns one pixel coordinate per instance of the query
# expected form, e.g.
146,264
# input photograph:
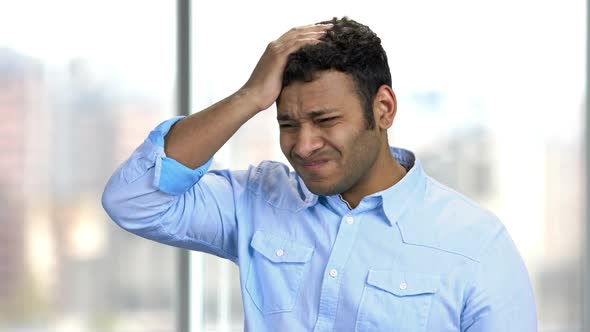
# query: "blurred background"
492,98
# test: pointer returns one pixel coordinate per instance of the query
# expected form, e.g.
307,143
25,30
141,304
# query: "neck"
385,172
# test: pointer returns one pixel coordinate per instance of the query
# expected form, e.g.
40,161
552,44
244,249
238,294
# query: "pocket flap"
403,283
280,250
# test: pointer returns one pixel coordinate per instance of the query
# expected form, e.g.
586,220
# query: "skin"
196,138
341,157
324,136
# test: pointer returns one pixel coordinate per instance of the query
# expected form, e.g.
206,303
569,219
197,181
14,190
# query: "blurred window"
81,85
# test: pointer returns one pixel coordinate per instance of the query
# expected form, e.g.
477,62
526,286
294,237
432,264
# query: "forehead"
329,90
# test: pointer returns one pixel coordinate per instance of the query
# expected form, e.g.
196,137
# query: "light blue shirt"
415,257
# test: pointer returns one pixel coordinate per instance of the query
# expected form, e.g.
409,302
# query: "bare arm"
193,140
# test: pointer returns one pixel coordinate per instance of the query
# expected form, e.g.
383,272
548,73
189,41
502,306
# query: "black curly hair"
348,47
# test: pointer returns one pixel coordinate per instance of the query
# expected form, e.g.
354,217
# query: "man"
358,237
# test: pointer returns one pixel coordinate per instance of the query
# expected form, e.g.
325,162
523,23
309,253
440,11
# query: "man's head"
348,47
334,110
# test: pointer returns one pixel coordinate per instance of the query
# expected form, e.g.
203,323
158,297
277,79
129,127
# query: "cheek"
285,144
343,138
354,143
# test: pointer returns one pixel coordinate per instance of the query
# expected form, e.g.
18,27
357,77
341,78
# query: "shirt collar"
396,198
310,198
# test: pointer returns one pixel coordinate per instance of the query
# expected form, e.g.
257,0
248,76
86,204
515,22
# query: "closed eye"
327,120
285,125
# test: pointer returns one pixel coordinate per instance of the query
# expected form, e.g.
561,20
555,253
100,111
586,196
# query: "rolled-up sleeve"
158,198
501,297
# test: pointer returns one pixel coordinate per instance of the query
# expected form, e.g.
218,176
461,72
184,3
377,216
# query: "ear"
384,107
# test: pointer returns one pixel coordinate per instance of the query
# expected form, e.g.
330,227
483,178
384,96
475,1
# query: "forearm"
195,139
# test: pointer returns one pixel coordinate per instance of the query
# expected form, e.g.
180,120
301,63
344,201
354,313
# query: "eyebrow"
312,114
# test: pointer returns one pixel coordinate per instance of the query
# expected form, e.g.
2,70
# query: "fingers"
304,30
293,45
281,49
265,82
299,37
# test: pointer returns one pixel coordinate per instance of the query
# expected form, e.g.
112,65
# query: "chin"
322,190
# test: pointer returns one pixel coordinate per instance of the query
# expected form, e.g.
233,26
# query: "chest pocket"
396,301
277,269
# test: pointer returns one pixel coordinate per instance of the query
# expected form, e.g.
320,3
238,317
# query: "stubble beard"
362,157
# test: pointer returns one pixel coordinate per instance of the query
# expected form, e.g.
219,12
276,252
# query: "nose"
308,141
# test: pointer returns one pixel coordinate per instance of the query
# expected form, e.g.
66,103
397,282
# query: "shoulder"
447,220
278,185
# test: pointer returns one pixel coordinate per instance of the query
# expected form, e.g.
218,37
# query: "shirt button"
349,220
280,252
333,273
403,286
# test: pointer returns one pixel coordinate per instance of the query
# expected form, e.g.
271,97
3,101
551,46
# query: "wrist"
250,99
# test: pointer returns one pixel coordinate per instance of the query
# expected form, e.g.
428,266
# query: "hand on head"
264,85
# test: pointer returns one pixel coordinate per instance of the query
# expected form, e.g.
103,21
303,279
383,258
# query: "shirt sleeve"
158,198
501,297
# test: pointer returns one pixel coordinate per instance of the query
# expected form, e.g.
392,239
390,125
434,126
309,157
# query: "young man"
358,237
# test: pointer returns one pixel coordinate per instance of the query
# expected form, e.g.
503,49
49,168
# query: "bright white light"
106,33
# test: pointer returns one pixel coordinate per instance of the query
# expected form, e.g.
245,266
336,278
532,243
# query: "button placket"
341,250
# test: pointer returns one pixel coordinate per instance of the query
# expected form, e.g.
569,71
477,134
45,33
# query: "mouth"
314,165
